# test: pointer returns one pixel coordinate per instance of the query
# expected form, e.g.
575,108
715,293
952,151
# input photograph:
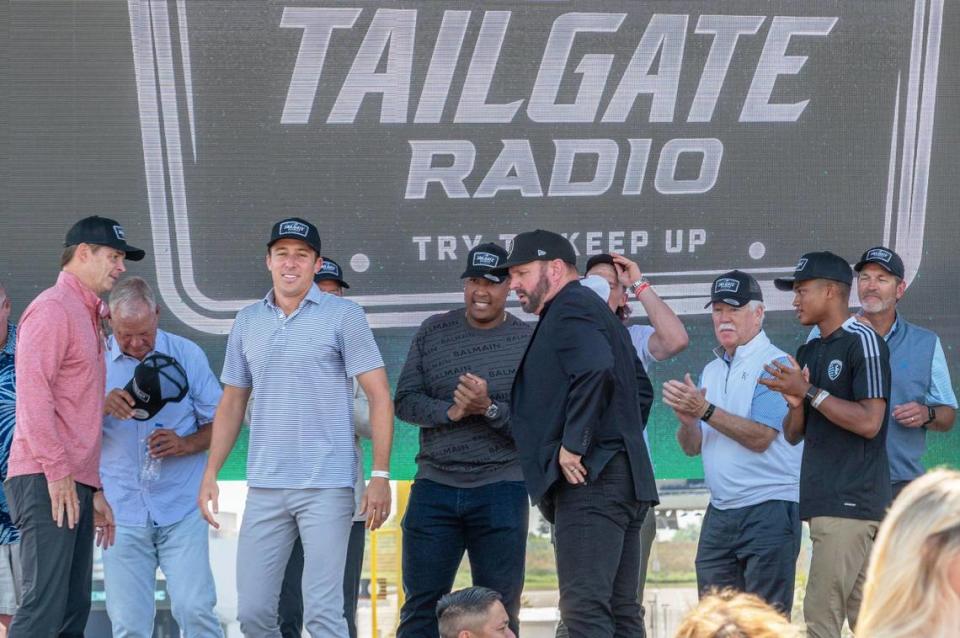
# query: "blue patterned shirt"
8,409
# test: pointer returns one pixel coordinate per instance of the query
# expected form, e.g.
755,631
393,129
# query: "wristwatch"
493,411
931,415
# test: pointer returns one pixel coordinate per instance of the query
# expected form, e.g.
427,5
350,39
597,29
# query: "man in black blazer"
580,401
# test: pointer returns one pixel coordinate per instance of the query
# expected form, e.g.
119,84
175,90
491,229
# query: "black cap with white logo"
483,261
330,271
157,381
539,245
818,265
884,257
735,288
295,228
102,231
602,258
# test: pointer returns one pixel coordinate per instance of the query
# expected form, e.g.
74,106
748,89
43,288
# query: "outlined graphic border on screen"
164,142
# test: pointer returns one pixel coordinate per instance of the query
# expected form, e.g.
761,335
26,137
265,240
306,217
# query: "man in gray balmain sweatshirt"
469,493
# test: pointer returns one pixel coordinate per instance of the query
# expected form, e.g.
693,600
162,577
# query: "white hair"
753,304
132,296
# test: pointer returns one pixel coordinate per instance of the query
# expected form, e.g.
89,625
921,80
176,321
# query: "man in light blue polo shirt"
750,537
298,350
921,393
158,524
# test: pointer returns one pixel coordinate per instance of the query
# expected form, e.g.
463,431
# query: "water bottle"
150,469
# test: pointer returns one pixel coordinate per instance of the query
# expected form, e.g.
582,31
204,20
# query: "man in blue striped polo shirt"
298,350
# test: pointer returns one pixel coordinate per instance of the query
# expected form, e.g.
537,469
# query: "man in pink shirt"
53,482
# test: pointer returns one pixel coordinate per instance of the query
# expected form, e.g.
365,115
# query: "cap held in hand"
158,380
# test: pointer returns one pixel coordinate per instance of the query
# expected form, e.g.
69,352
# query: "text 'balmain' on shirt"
476,450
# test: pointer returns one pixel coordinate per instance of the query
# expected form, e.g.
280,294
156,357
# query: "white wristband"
380,474
820,398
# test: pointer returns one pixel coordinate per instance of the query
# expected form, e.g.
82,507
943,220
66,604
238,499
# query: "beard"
535,296
873,305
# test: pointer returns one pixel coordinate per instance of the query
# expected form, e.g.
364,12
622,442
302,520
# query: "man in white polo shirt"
298,350
751,533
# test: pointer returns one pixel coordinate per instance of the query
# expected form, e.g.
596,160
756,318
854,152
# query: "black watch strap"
931,415
708,413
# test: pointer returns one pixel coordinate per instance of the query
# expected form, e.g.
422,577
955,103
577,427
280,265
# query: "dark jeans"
648,534
57,561
752,549
290,608
488,522
598,553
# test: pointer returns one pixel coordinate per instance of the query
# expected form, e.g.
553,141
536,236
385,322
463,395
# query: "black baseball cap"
735,288
817,265
483,261
295,228
602,258
102,232
157,380
882,256
330,271
538,245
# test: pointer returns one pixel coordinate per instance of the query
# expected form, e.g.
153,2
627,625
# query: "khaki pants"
841,551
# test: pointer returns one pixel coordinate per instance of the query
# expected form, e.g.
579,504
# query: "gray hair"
131,295
753,304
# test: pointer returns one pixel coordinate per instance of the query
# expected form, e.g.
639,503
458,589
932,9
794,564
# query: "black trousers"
598,553
57,561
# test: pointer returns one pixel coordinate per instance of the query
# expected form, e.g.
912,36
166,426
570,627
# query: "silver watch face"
492,411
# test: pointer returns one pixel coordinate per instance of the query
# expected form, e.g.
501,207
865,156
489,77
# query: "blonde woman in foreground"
733,614
913,582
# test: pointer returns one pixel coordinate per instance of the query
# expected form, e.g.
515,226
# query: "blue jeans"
752,549
488,522
129,578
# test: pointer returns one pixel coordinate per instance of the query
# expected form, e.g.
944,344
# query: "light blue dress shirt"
173,496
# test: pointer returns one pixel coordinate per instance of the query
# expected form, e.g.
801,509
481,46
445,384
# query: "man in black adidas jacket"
580,401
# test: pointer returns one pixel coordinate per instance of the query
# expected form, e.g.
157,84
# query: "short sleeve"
941,388
357,345
769,407
640,337
870,364
204,388
236,368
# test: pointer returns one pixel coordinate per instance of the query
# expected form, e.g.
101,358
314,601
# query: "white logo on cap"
833,370
143,396
329,266
801,264
118,231
881,254
293,228
541,253
726,285
486,260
